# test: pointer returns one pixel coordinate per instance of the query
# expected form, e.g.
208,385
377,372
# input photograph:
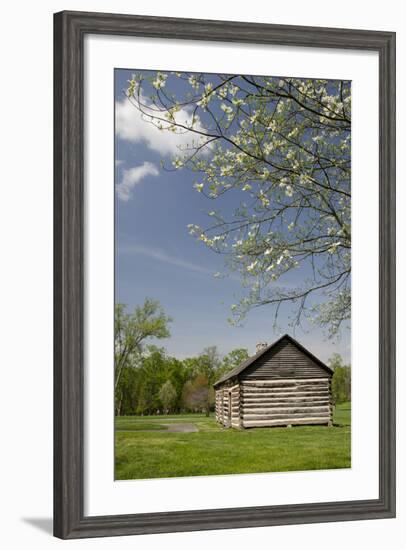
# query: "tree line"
149,381
341,382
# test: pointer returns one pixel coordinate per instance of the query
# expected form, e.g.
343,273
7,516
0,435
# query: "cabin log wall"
227,406
285,402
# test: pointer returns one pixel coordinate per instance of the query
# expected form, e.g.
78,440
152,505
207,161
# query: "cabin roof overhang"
241,368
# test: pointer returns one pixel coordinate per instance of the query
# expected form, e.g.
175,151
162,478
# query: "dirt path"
182,428
174,428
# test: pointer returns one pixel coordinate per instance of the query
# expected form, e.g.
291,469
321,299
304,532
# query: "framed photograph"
224,275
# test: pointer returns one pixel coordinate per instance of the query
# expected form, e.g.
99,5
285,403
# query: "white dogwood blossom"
159,81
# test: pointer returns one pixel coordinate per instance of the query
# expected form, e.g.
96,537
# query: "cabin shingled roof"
238,370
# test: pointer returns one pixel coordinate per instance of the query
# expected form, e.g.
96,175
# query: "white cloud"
132,126
133,176
164,257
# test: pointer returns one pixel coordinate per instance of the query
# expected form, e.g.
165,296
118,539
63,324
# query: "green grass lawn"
142,451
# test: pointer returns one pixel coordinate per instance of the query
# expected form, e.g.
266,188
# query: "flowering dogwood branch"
282,147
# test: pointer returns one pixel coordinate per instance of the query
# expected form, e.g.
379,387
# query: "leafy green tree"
192,366
198,395
153,374
198,391
178,374
232,360
341,382
167,395
209,362
131,330
126,395
282,147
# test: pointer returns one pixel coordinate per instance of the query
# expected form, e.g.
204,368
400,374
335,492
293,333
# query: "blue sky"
156,257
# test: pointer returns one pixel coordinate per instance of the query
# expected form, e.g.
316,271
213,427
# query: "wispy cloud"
163,257
132,176
132,126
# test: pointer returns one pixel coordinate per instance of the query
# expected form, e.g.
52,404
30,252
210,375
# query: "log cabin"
283,384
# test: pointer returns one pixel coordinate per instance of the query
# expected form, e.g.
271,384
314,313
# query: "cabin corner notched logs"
282,385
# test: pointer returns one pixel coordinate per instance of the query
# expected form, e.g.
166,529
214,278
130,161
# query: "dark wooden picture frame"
70,29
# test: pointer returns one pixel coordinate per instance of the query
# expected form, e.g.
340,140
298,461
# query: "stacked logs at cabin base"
285,402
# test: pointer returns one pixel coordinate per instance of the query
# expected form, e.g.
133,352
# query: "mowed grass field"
144,449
